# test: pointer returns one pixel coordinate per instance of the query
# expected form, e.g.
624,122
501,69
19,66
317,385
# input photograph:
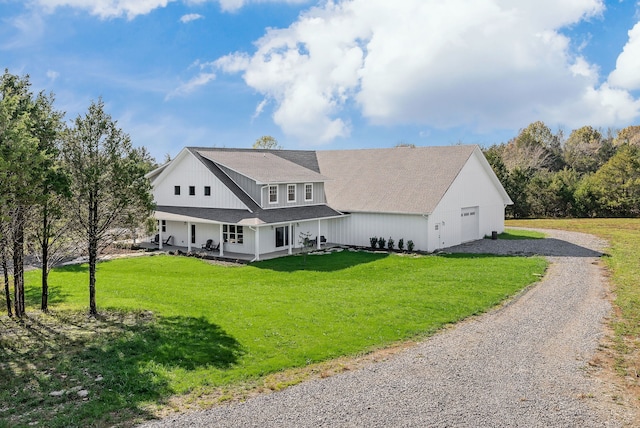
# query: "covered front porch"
229,256
241,235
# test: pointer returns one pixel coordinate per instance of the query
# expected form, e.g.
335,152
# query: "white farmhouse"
257,202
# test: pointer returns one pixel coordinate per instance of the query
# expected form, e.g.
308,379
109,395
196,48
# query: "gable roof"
409,180
263,166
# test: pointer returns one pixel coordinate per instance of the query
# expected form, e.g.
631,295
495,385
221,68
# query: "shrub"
401,244
410,245
390,243
373,241
381,243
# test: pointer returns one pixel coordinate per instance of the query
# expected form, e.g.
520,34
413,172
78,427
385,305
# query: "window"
207,190
192,190
232,234
176,190
308,192
164,225
273,194
282,236
291,192
193,233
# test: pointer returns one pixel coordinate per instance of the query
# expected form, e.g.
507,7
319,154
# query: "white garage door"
469,224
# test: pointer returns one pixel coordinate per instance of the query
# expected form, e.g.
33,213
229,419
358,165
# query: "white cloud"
234,5
52,75
132,8
627,72
186,88
488,63
107,8
190,17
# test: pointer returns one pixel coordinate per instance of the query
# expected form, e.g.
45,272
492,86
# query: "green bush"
410,245
401,244
373,241
390,243
381,243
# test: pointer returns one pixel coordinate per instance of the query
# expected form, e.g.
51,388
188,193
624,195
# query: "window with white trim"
232,234
192,190
291,192
207,190
273,194
308,192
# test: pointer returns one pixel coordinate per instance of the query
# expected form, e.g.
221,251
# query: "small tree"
410,246
267,142
304,239
110,192
390,244
381,243
401,244
373,241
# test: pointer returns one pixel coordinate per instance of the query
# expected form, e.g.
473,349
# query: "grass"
623,261
516,234
180,327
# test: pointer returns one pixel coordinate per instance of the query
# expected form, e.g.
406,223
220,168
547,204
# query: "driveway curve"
522,365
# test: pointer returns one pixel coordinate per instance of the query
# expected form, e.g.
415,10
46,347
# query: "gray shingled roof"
262,166
235,216
395,180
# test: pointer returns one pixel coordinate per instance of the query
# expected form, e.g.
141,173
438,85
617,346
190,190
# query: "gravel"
522,365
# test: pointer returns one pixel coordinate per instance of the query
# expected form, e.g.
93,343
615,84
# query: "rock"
83,393
57,393
99,378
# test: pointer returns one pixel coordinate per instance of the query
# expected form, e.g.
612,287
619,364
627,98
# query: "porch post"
257,244
290,238
318,237
160,234
221,241
188,236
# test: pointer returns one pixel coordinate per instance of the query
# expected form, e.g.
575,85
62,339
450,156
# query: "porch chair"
208,245
156,239
166,241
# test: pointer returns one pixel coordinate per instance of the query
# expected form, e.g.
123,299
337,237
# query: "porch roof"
245,217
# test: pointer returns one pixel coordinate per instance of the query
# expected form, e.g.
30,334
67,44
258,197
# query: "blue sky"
330,74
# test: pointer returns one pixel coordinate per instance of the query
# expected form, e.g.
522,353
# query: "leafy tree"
551,194
629,135
615,188
516,186
586,150
535,148
267,142
25,124
110,192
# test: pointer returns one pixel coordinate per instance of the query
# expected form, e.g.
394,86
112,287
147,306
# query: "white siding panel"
358,228
189,171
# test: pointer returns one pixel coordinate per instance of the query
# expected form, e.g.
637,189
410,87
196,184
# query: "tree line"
590,173
64,188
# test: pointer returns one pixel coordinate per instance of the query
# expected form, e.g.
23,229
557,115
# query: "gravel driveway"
522,365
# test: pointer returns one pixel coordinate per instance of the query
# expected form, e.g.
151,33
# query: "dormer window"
291,192
308,192
273,194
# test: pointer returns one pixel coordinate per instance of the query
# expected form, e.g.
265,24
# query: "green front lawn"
212,327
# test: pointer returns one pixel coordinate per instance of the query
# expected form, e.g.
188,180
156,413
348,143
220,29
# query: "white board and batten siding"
187,171
470,209
358,228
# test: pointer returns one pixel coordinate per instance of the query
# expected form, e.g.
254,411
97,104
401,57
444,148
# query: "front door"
282,236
